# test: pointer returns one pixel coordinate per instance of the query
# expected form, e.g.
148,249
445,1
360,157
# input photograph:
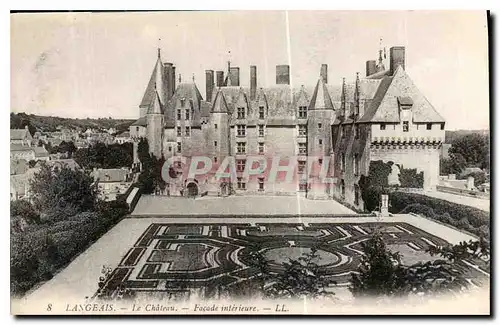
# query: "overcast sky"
98,65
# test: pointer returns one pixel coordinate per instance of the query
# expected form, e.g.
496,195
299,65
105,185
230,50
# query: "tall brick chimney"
220,78
169,77
235,76
173,79
253,82
371,67
283,74
397,58
209,84
324,73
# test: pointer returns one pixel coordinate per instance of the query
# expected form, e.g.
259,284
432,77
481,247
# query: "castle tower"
154,131
320,115
155,113
220,125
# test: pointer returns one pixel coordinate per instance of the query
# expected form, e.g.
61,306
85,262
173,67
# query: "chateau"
381,116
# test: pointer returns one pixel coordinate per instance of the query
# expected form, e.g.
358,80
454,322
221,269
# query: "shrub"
409,178
375,184
39,251
24,209
461,216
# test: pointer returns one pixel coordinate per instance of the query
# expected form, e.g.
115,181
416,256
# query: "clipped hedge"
471,219
41,250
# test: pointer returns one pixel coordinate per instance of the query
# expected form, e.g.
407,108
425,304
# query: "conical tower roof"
321,98
156,107
220,104
155,85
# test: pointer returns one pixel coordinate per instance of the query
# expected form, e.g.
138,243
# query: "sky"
98,64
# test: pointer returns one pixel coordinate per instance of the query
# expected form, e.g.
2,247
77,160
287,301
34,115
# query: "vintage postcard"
250,163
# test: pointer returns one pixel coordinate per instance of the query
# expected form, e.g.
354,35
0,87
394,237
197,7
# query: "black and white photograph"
250,163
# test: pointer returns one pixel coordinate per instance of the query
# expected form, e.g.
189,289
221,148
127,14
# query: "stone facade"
380,117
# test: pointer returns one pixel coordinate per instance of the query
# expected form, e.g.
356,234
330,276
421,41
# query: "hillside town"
28,151
344,187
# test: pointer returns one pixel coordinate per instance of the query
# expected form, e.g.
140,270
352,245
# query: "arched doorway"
224,191
192,189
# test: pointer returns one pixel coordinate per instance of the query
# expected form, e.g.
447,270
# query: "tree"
101,155
62,192
375,184
67,147
20,121
474,148
381,272
150,178
299,278
453,165
479,178
24,209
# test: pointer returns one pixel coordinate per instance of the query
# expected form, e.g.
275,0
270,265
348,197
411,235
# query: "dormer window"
241,112
302,111
405,102
406,126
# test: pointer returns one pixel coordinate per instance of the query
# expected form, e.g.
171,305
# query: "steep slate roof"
379,75
379,93
41,152
20,147
20,134
220,104
140,122
321,98
149,93
190,93
157,106
385,106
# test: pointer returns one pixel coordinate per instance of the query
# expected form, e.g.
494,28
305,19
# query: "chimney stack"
234,76
397,57
220,78
169,78
371,67
324,73
283,74
173,79
253,82
209,84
